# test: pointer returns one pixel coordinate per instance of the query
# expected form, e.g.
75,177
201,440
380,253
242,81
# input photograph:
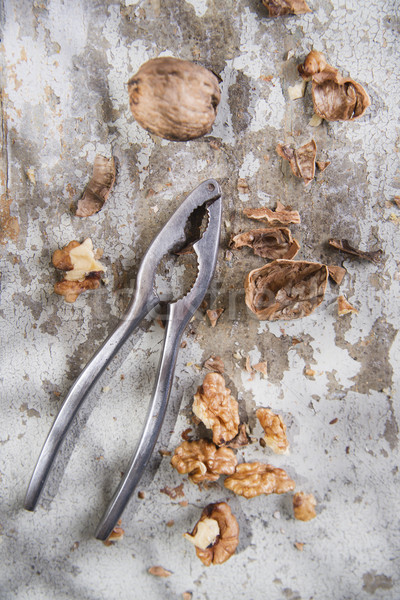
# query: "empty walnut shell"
285,289
335,98
173,98
271,242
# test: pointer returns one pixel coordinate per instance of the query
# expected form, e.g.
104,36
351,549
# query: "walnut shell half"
173,98
271,242
286,289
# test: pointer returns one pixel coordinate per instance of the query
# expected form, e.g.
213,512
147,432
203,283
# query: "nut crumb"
187,596
254,479
299,546
217,409
141,495
275,430
183,503
173,493
335,420
309,372
242,186
185,434
115,536
214,315
297,91
304,506
159,571
170,523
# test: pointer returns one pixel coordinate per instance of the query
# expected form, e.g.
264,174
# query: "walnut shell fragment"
173,98
217,409
344,307
335,98
280,8
286,289
302,160
203,461
241,439
281,216
271,242
336,273
275,430
304,506
345,246
82,269
254,479
225,542
214,315
215,363
98,188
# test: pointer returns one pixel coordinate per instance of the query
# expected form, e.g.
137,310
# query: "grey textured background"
64,101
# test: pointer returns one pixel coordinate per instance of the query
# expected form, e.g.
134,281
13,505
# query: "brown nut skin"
254,479
218,410
61,258
304,506
203,460
72,289
285,289
173,98
228,538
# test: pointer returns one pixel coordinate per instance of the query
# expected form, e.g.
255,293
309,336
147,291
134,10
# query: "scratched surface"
64,101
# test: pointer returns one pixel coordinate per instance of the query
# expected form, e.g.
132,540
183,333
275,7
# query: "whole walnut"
173,98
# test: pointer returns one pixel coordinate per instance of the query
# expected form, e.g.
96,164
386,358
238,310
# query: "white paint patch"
269,111
222,127
250,166
200,6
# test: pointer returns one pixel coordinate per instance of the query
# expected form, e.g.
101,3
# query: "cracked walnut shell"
203,461
173,98
217,409
304,506
335,98
280,8
286,289
301,160
222,532
254,479
275,430
271,242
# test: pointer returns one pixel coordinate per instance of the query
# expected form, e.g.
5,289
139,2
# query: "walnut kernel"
275,430
217,409
304,506
254,479
203,461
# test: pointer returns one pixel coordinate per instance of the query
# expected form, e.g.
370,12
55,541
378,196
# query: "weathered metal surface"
64,101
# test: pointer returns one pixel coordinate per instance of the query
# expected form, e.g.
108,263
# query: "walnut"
280,8
254,479
203,460
98,188
217,409
344,246
275,430
286,289
344,307
281,216
304,506
272,242
335,98
115,536
302,160
82,269
173,98
221,531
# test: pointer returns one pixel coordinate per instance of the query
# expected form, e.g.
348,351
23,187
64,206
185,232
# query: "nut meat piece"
116,535
302,160
203,461
281,216
159,571
173,98
285,289
254,479
98,188
82,269
225,542
272,242
280,8
304,506
335,98
217,409
275,430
